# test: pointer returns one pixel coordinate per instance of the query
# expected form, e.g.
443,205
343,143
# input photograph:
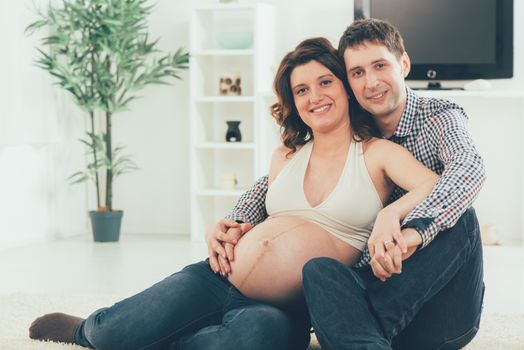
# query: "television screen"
450,39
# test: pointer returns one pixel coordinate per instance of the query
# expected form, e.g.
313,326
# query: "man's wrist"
412,236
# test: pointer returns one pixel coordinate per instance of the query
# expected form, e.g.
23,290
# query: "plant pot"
106,225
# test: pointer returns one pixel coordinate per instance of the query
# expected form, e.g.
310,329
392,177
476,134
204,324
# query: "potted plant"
99,51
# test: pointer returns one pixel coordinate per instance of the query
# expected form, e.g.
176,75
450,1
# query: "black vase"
233,132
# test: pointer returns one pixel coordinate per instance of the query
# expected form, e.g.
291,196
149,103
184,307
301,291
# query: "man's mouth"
377,96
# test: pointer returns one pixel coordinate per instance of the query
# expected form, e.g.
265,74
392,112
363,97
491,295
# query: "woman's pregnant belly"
269,258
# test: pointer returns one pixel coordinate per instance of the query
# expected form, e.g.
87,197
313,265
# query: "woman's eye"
300,91
380,65
325,82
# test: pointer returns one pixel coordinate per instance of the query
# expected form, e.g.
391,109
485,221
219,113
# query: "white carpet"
19,310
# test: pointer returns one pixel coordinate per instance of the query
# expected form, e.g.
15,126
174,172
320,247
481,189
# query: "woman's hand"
236,233
216,235
384,241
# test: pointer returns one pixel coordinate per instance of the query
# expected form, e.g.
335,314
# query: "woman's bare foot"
56,327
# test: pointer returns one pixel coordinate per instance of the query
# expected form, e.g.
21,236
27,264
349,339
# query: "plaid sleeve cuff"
426,227
237,217
365,258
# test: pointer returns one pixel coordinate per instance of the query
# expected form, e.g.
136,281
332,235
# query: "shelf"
226,145
209,192
212,158
225,99
226,7
462,93
222,52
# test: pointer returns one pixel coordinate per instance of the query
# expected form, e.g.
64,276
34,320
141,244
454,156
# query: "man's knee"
317,267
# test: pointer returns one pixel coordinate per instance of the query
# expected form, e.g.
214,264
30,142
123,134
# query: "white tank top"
347,213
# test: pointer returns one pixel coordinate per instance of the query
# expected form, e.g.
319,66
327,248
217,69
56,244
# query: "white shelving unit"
496,123
211,156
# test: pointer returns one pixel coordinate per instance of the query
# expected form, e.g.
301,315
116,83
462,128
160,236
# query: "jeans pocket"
460,341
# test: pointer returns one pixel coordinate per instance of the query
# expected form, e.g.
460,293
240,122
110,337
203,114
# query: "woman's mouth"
321,109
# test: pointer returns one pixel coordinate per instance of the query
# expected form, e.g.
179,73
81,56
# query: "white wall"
155,198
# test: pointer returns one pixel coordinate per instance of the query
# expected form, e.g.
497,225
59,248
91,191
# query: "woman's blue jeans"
193,309
435,303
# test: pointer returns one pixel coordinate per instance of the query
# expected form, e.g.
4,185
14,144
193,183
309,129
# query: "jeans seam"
446,342
318,331
179,330
227,302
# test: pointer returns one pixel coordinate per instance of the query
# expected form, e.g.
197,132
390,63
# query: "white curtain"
39,128
27,112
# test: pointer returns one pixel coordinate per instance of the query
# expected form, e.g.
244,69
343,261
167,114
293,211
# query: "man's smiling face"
376,76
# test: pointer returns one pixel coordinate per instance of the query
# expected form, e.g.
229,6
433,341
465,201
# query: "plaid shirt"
435,132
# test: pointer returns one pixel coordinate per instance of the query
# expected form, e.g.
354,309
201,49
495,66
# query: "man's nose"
371,80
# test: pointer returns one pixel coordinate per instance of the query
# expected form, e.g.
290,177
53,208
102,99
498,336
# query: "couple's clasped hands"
389,246
221,239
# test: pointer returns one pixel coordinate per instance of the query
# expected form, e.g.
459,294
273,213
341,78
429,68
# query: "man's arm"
460,181
251,206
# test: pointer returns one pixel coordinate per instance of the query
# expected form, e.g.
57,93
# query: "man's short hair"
372,30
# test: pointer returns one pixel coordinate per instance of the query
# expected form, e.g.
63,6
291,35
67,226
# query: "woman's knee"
260,327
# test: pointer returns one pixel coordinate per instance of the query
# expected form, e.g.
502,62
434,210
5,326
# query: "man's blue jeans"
435,303
193,309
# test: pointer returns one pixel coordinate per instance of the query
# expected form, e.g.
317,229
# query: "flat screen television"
450,39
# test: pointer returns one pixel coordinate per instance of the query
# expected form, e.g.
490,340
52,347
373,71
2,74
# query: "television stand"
436,85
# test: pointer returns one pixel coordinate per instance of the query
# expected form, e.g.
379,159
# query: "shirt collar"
409,115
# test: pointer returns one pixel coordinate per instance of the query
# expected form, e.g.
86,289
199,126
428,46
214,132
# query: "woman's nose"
316,96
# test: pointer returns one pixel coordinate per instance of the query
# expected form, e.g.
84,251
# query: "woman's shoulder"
281,151
281,156
376,144
285,153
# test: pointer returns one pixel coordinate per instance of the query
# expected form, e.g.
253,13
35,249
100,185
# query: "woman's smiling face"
319,96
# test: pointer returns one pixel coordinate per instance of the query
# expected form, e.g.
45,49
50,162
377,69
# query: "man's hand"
393,257
237,233
384,238
392,262
215,236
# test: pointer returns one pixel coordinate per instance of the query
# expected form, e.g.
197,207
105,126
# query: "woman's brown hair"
294,132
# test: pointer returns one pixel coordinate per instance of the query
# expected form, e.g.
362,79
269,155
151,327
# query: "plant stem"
109,170
92,115
97,182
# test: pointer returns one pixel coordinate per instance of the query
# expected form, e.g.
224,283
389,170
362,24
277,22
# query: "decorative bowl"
234,40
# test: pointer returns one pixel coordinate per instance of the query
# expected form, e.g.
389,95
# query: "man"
431,299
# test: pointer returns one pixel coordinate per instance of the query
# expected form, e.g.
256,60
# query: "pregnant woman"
328,182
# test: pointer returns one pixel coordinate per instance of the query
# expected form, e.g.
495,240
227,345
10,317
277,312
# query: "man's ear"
405,63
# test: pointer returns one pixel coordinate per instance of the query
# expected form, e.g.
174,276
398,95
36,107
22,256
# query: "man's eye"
380,65
357,73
